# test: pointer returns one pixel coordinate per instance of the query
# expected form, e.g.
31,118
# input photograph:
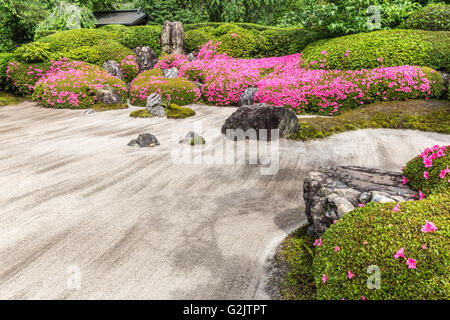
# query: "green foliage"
5,58
142,113
414,172
177,90
171,10
100,53
136,36
7,43
33,52
65,16
395,47
65,41
236,42
296,258
386,232
174,111
195,38
433,17
413,114
43,33
352,16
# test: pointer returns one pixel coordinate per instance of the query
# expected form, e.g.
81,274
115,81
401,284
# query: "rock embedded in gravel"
330,192
112,67
261,116
89,112
145,140
108,95
247,98
192,139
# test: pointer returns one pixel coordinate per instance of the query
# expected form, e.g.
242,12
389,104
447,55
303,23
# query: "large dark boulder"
146,58
108,95
172,38
263,116
330,192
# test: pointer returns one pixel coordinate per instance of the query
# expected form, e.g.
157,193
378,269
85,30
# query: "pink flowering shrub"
129,68
284,81
22,76
177,90
429,172
74,84
408,248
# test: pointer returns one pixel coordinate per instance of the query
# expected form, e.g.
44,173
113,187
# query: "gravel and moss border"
431,115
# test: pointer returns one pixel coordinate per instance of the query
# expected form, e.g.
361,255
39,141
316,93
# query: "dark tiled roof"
125,17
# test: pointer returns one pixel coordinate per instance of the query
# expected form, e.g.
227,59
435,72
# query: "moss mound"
7,99
433,115
177,90
174,111
427,172
386,232
394,47
143,113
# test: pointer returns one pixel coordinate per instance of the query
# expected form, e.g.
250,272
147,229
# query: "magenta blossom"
400,254
411,263
429,227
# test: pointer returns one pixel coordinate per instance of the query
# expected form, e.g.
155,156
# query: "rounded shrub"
237,42
74,85
22,76
434,17
196,38
129,68
100,53
64,41
33,52
273,43
136,36
177,90
382,48
371,239
429,172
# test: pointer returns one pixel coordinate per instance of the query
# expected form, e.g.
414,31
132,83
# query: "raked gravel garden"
362,188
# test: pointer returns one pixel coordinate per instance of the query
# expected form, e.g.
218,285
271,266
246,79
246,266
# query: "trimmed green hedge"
415,169
240,41
384,233
100,53
394,47
248,26
433,17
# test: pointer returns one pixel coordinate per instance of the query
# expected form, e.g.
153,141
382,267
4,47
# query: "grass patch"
294,260
142,113
99,107
7,99
432,115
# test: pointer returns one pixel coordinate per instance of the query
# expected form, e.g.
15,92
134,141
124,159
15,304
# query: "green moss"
386,232
432,115
99,107
294,260
142,113
396,47
7,99
176,112
414,172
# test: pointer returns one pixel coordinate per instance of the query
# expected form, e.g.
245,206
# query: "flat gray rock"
145,140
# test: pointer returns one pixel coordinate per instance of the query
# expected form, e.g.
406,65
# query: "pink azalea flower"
429,227
428,162
424,246
411,263
400,254
396,208
318,242
324,278
421,195
364,298
350,274
426,175
365,243
361,205
337,249
404,180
